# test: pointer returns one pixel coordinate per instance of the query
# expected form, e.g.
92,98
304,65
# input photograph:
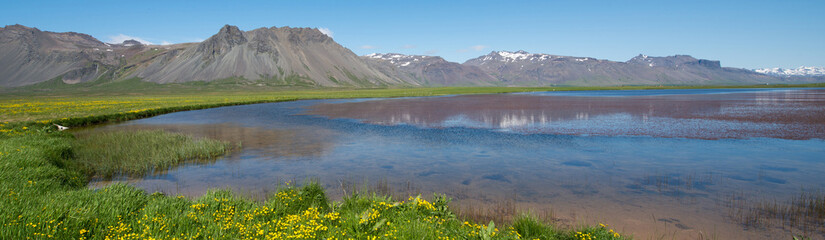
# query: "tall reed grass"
137,153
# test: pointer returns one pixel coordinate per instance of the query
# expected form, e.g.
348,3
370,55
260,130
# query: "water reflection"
465,146
776,114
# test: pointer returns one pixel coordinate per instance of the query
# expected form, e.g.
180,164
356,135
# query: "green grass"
530,227
136,153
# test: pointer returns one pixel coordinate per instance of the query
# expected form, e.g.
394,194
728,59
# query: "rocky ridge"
428,70
521,68
285,56
273,56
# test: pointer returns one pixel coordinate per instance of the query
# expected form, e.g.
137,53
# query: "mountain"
286,55
276,56
527,69
28,55
800,71
428,70
306,57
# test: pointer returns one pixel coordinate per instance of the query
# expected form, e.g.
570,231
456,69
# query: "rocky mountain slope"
291,55
28,55
526,69
278,56
428,70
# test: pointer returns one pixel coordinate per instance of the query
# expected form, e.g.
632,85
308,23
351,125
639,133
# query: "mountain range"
279,56
306,57
525,69
428,70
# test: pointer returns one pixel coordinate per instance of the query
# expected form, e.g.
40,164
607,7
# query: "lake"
682,164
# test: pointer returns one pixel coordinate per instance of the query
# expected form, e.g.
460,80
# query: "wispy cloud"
165,43
123,37
431,52
408,46
479,47
368,47
476,48
326,31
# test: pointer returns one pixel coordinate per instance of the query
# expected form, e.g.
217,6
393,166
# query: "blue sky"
745,34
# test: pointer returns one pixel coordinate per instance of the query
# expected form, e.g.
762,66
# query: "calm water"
663,163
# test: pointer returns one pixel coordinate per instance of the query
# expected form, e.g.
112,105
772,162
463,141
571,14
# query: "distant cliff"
527,69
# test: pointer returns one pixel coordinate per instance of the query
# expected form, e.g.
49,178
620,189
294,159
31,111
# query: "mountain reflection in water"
639,161
776,114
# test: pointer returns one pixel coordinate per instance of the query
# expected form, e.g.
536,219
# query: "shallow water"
662,163
707,114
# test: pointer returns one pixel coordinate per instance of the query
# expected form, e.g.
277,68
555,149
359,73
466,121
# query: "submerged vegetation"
44,172
805,212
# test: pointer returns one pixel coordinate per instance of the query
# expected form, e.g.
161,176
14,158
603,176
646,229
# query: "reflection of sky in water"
703,113
655,92
474,157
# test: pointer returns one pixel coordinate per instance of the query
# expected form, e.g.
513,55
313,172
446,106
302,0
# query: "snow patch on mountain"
512,56
800,71
400,60
509,57
643,58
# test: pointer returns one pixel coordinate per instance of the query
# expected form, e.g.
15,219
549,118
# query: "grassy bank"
76,107
136,153
44,196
